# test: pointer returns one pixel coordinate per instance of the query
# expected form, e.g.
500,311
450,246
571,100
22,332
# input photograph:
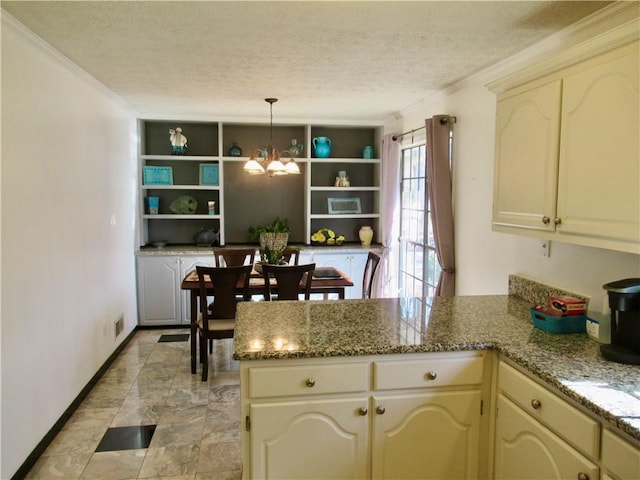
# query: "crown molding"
603,30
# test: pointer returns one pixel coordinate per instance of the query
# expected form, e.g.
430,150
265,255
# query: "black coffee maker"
624,301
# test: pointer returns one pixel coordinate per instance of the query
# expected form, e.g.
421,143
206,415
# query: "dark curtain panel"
440,197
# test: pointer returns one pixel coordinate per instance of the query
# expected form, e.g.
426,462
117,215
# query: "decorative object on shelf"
159,244
342,180
366,235
153,205
367,152
185,204
270,163
212,207
321,147
207,237
273,236
344,205
209,174
326,236
178,141
157,175
295,149
235,150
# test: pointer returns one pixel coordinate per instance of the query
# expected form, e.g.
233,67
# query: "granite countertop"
195,250
569,363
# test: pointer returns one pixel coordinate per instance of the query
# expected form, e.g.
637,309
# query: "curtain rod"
443,121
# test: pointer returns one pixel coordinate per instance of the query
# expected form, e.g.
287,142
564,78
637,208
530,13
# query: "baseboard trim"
28,464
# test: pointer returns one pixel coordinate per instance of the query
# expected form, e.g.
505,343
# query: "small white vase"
366,235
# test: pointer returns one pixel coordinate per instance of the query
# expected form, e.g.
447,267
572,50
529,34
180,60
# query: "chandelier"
268,160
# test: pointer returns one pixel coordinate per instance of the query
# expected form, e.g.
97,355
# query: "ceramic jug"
322,147
295,149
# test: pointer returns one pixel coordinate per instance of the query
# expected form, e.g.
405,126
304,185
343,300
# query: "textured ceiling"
335,60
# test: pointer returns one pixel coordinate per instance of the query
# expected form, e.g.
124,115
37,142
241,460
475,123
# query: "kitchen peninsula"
322,367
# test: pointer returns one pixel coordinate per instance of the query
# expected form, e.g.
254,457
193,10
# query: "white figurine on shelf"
178,141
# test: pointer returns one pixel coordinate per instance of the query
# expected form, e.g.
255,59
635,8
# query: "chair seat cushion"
222,324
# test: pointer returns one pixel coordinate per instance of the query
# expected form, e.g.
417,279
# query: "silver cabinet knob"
311,382
583,476
546,220
380,410
536,404
557,221
430,375
362,411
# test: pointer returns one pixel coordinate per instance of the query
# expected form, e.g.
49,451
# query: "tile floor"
192,428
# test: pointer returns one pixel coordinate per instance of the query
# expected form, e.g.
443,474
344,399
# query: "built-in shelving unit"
244,200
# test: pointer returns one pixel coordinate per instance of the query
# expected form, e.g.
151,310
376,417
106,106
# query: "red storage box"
568,305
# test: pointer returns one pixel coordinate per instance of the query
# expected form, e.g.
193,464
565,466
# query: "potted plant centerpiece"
273,240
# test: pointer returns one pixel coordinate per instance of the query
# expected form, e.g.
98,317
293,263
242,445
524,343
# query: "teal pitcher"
321,147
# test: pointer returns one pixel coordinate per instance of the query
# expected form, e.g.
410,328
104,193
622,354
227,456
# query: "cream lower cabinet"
620,459
426,435
391,417
539,435
160,299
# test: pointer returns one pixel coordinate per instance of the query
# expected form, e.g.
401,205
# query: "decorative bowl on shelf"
160,244
326,237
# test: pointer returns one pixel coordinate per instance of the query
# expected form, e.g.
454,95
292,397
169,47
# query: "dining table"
325,281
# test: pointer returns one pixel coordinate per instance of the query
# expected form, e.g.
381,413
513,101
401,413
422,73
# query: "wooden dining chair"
234,257
218,320
369,273
290,280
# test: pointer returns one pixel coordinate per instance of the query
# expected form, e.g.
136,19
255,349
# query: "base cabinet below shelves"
160,299
350,263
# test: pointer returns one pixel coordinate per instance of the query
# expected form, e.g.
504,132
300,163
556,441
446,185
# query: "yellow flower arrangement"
326,236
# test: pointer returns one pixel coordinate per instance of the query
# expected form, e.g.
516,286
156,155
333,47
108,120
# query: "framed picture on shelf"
157,175
344,205
209,174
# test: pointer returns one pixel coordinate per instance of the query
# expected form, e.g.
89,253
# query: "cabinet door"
350,263
599,172
310,440
158,290
526,450
188,264
424,436
527,133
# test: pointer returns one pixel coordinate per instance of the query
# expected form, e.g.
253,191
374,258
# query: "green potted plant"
273,236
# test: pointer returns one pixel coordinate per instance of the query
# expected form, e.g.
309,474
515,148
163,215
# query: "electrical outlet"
119,325
545,248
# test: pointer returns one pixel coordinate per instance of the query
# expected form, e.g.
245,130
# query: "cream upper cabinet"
599,174
525,176
567,154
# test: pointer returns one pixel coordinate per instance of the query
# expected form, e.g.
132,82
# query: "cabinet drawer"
619,456
428,372
308,380
576,427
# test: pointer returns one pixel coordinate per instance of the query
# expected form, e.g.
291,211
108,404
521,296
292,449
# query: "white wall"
68,204
484,259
